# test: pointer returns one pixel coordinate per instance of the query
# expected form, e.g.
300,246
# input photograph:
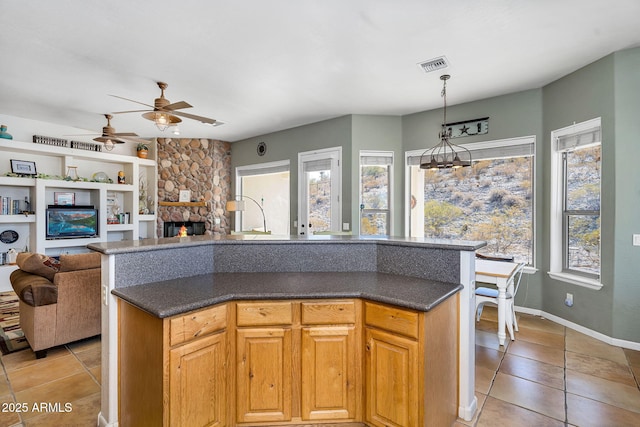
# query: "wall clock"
262,149
8,236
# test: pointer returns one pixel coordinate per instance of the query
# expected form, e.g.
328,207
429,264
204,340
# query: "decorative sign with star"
469,127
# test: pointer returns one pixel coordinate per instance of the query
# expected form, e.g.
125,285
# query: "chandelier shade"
445,155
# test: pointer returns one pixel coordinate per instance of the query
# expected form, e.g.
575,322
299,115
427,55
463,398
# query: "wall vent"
434,64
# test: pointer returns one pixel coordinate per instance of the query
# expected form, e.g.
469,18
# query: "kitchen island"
291,330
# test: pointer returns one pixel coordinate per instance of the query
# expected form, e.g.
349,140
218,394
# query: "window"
376,170
575,227
492,201
268,185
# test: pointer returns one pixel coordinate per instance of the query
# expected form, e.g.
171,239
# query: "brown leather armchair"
59,301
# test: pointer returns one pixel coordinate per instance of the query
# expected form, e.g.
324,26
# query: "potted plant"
143,150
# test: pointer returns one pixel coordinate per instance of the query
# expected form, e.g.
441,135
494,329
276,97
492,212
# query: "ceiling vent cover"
434,64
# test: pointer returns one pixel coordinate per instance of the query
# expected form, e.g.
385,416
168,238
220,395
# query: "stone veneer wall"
202,166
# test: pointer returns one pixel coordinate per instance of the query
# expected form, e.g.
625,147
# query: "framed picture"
185,196
23,167
64,199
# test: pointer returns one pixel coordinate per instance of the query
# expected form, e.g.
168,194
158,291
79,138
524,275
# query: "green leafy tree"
437,215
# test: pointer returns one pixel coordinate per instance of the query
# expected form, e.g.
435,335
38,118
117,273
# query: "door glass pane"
584,243
375,187
583,179
319,202
374,224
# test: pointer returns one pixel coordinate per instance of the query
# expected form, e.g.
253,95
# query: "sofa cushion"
33,289
39,264
73,262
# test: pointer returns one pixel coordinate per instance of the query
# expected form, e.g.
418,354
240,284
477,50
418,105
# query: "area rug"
11,336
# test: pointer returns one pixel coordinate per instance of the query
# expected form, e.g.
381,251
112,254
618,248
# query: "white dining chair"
486,295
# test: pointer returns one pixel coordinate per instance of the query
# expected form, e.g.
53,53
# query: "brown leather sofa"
59,300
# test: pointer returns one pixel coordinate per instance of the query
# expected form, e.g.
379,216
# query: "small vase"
3,132
143,154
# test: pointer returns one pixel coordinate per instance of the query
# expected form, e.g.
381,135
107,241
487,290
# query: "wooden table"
501,274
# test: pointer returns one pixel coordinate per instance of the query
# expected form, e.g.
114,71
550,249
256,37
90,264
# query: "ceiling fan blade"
131,100
177,106
130,111
124,134
134,139
194,117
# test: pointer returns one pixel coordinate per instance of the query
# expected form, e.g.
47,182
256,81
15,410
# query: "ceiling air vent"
434,64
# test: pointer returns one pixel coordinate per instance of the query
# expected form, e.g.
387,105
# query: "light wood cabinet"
173,371
289,362
411,365
330,370
197,381
263,374
391,375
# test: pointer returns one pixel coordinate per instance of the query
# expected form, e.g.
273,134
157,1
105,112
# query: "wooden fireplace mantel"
203,203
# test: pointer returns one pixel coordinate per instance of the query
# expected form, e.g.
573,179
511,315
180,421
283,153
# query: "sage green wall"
626,299
583,95
382,133
510,116
286,144
608,88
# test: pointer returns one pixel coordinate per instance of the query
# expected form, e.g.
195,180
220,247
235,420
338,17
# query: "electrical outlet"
636,240
105,301
568,301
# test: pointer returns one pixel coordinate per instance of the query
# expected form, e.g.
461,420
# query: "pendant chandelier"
445,155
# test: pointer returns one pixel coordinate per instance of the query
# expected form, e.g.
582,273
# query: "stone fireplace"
202,166
172,228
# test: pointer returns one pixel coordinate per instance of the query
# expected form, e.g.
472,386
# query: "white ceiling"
266,65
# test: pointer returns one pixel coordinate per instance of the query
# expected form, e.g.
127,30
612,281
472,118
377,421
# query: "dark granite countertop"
143,245
172,297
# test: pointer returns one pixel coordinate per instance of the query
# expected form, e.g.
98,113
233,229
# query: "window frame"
506,143
389,210
558,230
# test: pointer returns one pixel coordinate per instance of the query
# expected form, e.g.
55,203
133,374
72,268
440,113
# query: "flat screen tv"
71,223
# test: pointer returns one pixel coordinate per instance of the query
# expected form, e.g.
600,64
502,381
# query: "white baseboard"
593,334
104,423
467,413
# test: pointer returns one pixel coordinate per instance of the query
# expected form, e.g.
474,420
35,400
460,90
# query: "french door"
319,187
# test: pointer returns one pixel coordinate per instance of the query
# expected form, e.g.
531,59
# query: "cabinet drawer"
392,319
196,324
264,313
328,312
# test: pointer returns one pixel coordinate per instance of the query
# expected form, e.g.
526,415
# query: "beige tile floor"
552,376
68,379
549,376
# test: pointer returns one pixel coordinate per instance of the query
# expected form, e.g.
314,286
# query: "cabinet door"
391,375
197,382
264,374
328,372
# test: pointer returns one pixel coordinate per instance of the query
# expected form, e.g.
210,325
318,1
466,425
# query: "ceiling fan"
110,137
164,113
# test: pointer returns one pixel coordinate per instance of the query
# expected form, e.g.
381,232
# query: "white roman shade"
503,149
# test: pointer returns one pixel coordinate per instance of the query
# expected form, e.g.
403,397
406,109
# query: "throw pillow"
39,264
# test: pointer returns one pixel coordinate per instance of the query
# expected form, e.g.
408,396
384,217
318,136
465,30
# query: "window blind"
579,139
520,148
316,165
372,160
263,171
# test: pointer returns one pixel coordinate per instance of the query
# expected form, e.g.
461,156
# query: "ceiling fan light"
108,145
161,119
